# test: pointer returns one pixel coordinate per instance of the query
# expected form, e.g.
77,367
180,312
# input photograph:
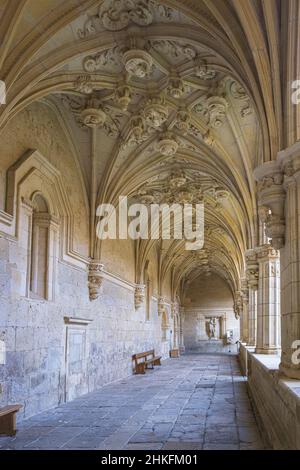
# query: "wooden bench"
143,360
8,419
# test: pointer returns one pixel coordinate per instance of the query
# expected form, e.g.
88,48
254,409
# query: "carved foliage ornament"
92,113
155,112
183,121
138,132
239,93
83,84
109,57
138,63
203,71
176,87
214,108
167,145
176,188
115,15
174,49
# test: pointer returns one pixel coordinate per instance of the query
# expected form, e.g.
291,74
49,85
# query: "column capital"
271,200
289,160
266,252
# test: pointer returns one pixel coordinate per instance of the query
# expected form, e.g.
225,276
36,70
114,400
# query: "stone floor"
195,402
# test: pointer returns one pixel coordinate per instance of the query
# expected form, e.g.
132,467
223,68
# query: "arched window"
39,248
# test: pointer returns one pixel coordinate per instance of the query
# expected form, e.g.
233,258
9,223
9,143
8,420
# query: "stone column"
181,335
279,208
268,310
252,274
289,161
252,319
238,308
245,311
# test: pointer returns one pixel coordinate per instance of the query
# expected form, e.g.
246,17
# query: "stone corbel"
267,252
95,278
252,270
271,201
139,295
160,305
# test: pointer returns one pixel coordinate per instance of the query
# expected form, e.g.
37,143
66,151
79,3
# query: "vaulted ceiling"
182,98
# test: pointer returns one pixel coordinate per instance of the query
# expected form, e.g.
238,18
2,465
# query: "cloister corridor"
198,401
149,216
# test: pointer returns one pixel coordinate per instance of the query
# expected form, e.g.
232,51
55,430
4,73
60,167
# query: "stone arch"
33,174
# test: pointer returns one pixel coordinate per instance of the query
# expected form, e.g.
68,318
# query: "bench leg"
8,424
150,367
157,362
140,368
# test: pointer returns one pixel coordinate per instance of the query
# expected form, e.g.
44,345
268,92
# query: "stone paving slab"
195,402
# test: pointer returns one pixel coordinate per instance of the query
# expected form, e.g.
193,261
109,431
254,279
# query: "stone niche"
76,357
205,331
209,321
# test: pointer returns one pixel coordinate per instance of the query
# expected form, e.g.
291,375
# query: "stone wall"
35,334
62,347
276,399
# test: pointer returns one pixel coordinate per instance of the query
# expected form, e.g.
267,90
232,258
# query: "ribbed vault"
153,91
